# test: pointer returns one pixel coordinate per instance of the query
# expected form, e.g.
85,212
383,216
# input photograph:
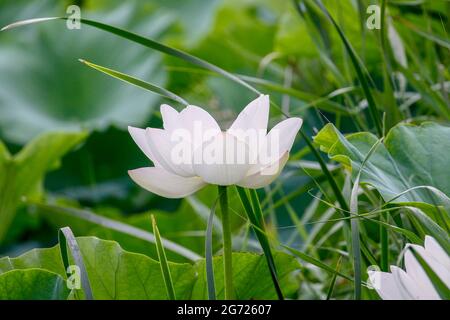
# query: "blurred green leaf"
43,87
251,277
162,258
32,284
69,248
117,274
136,82
410,167
359,67
132,233
291,31
316,262
46,259
113,273
194,18
431,228
20,175
255,216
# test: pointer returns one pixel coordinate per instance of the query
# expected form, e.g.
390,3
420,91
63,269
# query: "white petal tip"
165,184
264,98
298,120
164,107
132,130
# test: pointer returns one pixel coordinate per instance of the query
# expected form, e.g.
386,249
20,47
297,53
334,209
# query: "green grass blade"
393,115
254,213
431,97
136,82
411,236
333,280
209,254
354,224
256,206
356,246
384,244
115,225
28,21
431,228
149,43
438,284
165,270
321,102
337,192
324,103
361,73
436,39
319,36
316,262
68,244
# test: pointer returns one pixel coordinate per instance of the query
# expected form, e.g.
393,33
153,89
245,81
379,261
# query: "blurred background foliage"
285,48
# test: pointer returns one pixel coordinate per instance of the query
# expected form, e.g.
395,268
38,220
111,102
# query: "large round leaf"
44,87
32,284
118,274
411,166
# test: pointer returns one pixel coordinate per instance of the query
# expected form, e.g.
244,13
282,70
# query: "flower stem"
227,248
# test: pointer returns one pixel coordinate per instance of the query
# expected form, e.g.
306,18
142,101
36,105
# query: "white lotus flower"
192,151
414,284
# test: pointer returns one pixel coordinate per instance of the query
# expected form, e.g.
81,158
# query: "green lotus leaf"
411,166
118,274
32,284
22,174
44,87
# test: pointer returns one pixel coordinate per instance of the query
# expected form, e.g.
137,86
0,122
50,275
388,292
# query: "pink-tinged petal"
164,150
222,160
140,139
415,271
265,176
251,125
164,183
269,149
192,113
255,116
281,138
170,117
434,249
385,285
406,286
199,124
436,258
